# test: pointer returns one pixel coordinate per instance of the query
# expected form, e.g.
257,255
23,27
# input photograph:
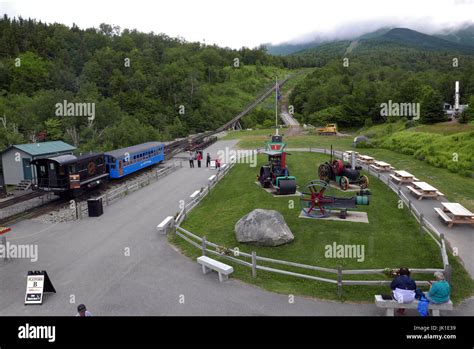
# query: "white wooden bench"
195,194
165,224
222,269
444,216
391,305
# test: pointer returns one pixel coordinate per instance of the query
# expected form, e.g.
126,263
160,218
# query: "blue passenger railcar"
122,162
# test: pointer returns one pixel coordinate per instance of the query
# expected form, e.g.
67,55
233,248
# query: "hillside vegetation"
400,66
144,86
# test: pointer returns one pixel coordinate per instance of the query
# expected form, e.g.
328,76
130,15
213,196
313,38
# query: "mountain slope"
463,36
414,39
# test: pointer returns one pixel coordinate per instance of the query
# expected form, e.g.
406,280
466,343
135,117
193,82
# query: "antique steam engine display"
276,174
343,173
317,201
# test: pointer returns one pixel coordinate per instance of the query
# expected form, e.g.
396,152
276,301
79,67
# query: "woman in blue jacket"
440,289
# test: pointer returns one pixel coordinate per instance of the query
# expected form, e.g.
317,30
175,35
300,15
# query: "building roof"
120,153
67,159
43,148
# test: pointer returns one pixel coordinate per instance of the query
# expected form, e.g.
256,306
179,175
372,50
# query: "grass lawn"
257,138
391,239
456,187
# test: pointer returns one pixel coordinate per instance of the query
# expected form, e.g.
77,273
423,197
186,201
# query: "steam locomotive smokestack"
456,96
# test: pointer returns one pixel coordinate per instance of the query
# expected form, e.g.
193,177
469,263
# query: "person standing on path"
199,158
208,160
191,160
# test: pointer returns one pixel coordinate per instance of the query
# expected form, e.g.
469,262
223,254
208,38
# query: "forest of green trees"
351,94
147,86
144,86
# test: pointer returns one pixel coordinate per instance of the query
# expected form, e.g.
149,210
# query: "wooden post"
448,271
203,245
421,223
254,264
409,205
339,281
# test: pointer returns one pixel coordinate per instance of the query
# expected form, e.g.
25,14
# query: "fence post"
421,223
77,210
448,272
203,245
254,264
172,229
339,281
409,205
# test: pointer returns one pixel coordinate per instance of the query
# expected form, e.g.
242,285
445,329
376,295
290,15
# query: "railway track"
34,212
21,198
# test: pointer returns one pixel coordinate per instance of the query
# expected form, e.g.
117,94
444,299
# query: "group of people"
198,156
404,289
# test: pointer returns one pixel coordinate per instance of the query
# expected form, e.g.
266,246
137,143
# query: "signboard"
37,283
34,289
213,164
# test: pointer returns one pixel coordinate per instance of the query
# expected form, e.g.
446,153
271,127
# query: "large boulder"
263,228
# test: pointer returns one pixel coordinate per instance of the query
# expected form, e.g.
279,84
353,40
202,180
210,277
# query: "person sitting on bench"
403,288
440,290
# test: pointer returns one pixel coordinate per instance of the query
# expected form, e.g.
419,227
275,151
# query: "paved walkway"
86,261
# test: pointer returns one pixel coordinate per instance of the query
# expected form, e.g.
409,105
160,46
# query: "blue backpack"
423,306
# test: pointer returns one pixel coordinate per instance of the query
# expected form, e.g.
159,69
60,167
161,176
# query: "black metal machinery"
276,174
342,173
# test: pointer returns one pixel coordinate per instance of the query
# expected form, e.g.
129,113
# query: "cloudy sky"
237,23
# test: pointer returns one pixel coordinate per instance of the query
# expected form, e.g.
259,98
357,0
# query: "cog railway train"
70,175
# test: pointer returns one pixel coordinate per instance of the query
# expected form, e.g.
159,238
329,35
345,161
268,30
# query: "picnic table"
366,159
347,155
403,177
424,190
381,166
454,213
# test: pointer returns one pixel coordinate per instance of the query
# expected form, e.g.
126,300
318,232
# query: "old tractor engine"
343,174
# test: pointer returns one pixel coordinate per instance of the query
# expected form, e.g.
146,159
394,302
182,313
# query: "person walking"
218,164
191,160
208,160
199,158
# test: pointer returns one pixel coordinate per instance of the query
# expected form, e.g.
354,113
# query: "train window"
72,169
42,170
61,170
51,166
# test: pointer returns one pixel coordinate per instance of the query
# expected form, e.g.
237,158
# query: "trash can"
95,207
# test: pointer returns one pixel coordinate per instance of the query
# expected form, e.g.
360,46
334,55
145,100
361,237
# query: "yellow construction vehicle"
328,130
